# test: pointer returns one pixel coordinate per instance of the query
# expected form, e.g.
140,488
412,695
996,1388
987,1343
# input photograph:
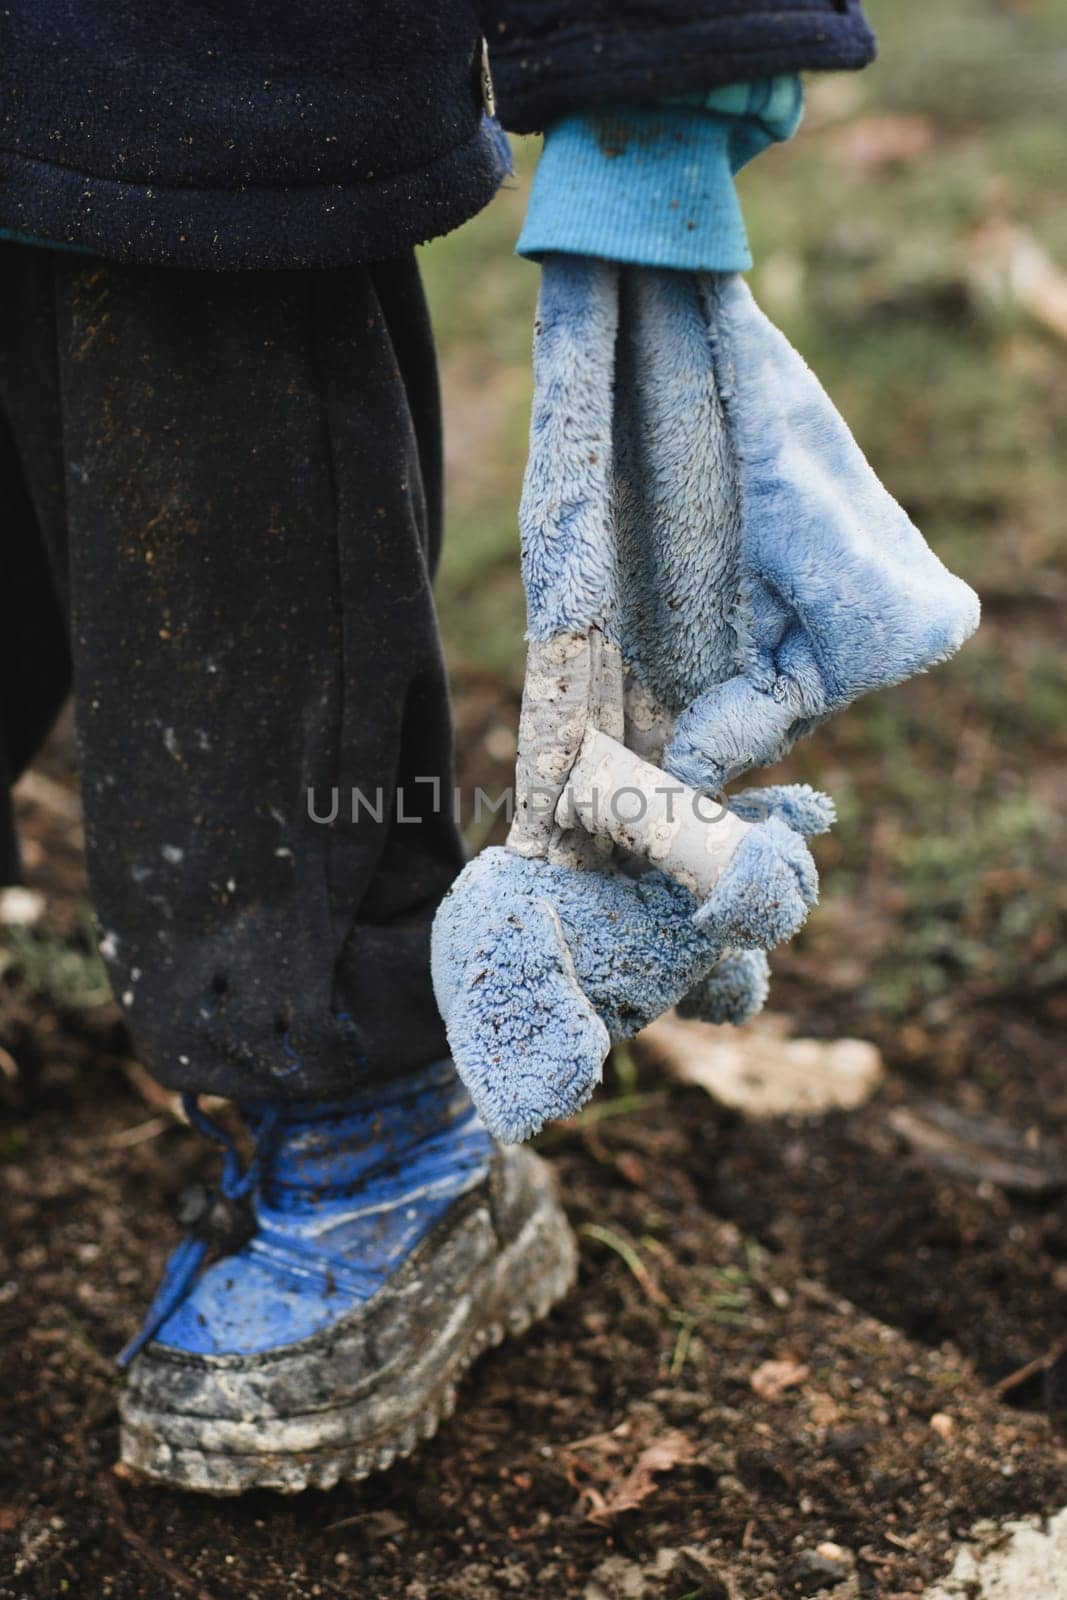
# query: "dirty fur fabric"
537,967
693,498
734,990
839,592
692,490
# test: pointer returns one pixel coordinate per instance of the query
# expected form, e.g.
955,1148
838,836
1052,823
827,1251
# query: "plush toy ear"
839,594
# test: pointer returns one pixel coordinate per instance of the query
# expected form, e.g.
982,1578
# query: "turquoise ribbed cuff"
653,185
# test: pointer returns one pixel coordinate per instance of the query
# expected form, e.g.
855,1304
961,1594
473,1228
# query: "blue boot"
315,1322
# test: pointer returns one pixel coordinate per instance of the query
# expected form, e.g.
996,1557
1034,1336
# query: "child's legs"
251,466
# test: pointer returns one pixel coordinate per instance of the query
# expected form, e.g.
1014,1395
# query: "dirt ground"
800,1360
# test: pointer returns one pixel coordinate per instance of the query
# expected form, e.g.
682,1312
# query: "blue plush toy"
711,569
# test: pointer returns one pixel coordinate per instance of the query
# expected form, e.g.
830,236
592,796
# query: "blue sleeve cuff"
766,111
653,185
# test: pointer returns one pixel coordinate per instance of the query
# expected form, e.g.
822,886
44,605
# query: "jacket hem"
255,227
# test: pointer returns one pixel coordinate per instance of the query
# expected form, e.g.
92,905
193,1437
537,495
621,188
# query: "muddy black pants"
220,515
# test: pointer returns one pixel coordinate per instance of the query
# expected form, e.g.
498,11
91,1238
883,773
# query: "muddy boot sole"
365,1393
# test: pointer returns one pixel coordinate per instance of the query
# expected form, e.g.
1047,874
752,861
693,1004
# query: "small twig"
166,1102
597,1441
600,1111
625,1250
1039,1364
621,1106
149,1554
139,1134
680,1354
155,1097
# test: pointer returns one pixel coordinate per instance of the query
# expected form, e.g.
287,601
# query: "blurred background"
809,1350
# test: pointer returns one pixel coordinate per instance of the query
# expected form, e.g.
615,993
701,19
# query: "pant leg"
34,659
34,655
252,503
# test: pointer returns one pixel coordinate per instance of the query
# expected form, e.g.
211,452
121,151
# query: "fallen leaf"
772,1379
1006,264
759,1071
823,1409
620,1468
671,1450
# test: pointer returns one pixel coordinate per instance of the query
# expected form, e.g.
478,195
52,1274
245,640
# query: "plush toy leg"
525,1039
537,966
737,986
735,989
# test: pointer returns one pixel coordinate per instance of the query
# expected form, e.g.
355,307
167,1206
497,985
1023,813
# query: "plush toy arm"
735,989
568,544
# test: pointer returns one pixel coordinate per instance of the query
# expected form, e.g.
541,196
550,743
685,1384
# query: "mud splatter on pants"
221,513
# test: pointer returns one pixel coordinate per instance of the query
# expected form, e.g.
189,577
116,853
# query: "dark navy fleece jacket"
298,133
